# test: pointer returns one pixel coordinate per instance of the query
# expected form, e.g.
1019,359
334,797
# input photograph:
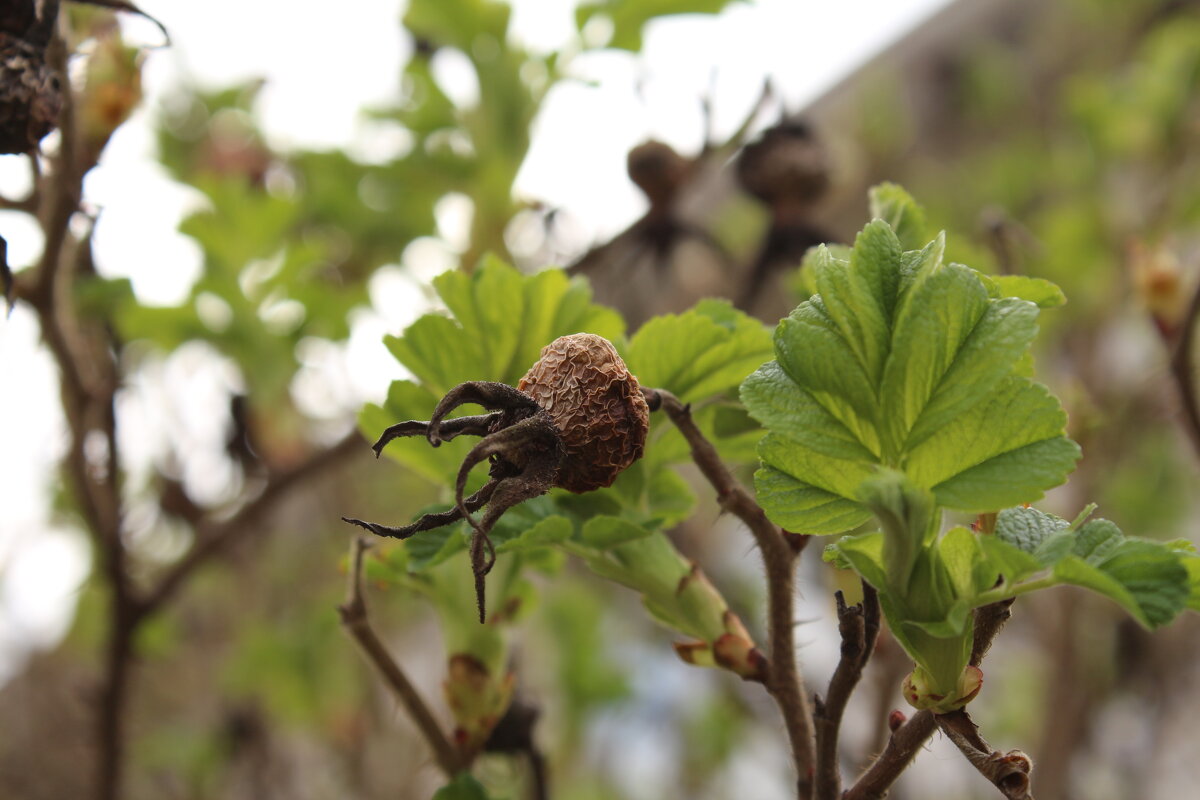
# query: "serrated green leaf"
904,362
1004,451
1013,563
1036,290
704,351
604,532
892,204
797,506
933,321
783,407
547,531
1027,529
860,297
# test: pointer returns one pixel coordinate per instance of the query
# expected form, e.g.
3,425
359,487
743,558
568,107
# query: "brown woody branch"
858,626
357,624
1008,772
779,551
215,538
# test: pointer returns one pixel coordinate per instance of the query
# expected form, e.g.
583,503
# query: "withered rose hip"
595,403
575,421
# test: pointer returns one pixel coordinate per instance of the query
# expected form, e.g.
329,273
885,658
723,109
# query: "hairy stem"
779,550
859,627
357,624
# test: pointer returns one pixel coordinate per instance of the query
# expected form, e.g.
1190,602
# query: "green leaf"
801,507
547,531
967,564
904,362
1028,529
1004,451
1036,290
783,407
628,17
430,548
1145,578
897,208
463,787
1191,563
604,532
1151,580
703,352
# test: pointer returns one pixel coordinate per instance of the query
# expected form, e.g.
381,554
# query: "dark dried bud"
30,97
785,167
657,170
597,406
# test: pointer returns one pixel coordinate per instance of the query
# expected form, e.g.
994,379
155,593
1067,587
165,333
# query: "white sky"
323,61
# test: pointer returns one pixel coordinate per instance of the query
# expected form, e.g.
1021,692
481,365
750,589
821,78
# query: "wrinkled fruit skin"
595,403
30,98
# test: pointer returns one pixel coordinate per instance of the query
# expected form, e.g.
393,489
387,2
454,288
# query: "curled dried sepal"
477,699
920,692
577,420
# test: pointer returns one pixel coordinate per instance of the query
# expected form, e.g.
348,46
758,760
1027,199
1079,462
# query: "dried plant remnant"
576,421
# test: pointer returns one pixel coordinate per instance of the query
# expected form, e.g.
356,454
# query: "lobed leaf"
702,352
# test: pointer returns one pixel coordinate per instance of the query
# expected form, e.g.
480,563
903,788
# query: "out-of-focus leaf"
628,17
463,787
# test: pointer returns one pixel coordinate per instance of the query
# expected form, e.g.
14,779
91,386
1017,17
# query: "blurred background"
267,197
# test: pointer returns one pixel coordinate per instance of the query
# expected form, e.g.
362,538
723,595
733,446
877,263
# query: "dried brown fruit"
577,419
596,405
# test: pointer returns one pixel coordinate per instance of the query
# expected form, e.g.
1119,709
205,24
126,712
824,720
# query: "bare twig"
901,748
779,551
1008,772
357,624
1183,369
214,538
858,626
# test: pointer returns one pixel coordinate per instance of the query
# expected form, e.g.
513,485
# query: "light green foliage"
1148,579
628,17
907,362
463,787
901,389
498,321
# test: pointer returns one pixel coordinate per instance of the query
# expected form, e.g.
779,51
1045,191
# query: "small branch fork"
355,621
780,550
87,354
908,737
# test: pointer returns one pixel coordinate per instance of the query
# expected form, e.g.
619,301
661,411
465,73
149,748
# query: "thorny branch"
357,624
859,627
779,550
908,738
